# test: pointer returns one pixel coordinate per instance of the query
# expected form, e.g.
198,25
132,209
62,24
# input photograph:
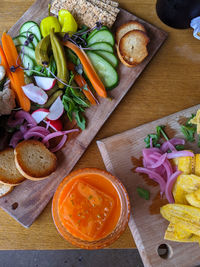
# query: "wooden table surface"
169,84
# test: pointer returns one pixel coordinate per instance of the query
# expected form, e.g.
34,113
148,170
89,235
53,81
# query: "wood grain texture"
120,153
170,83
32,197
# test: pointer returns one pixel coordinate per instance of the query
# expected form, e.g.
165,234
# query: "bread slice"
5,189
8,171
122,60
133,47
127,27
34,160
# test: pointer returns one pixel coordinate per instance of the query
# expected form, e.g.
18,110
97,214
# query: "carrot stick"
81,82
5,63
17,78
91,73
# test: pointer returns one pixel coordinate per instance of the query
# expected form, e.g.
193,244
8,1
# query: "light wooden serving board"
28,200
121,154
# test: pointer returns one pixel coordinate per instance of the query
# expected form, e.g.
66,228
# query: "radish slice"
44,82
35,93
56,110
56,125
40,114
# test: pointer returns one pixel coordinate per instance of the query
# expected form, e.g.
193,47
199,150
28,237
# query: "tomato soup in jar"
91,208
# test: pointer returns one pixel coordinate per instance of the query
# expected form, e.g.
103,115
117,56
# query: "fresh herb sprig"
189,130
155,139
75,103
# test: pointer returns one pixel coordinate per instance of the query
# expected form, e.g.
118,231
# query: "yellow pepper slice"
67,21
49,23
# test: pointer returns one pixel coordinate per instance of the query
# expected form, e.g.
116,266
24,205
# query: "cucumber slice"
20,40
102,46
32,27
28,64
110,57
104,69
35,40
102,36
95,31
27,51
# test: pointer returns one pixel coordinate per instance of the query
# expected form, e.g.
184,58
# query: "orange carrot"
90,71
17,78
5,63
81,82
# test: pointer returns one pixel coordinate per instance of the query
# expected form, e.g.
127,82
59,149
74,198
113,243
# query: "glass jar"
100,176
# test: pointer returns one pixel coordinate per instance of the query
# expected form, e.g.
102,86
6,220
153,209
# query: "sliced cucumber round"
104,69
101,36
35,40
95,31
32,27
102,46
28,63
20,40
27,51
110,57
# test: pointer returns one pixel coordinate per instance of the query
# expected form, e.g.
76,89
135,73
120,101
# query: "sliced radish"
40,114
56,110
35,93
44,82
56,125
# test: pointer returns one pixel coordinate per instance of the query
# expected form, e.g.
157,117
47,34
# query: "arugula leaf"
80,120
75,102
143,193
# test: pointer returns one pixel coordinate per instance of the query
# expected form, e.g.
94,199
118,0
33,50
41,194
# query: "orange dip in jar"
91,208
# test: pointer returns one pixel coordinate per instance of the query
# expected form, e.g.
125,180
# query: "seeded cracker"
112,10
84,12
111,3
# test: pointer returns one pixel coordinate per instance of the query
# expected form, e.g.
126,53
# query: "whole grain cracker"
84,12
109,2
113,10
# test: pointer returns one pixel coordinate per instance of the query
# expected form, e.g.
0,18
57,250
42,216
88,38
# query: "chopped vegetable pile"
55,68
156,160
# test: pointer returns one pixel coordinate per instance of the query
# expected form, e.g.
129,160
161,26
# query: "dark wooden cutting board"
28,200
121,153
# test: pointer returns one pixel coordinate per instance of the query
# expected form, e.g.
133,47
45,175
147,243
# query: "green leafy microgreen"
143,193
160,130
188,132
75,102
155,138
